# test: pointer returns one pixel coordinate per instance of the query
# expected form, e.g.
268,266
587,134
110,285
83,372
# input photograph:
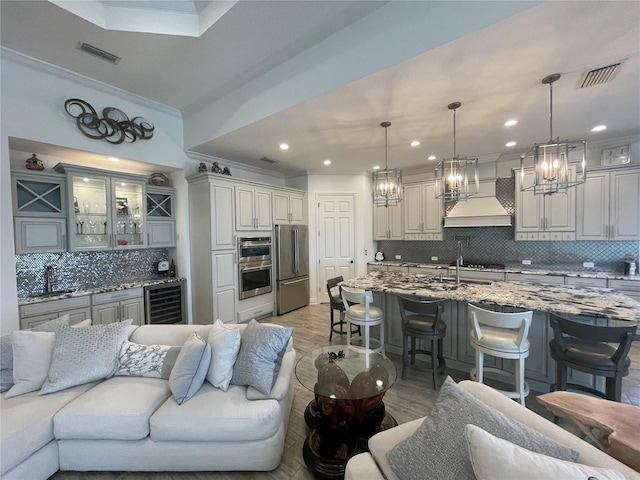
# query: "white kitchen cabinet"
586,282
631,288
106,209
609,205
545,217
535,278
423,212
225,287
117,306
253,208
288,208
33,314
388,223
375,267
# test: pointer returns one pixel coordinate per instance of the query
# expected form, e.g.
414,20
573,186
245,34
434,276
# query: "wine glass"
86,205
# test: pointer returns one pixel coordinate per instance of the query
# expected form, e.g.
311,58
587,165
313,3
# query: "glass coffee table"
347,408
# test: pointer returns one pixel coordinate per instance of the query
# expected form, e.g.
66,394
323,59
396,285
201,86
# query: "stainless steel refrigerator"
292,267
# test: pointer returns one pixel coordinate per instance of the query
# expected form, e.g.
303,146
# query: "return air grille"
269,160
98,52
599,76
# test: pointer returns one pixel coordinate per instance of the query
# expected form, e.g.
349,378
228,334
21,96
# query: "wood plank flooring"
408,399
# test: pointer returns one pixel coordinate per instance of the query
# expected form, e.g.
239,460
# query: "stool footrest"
502,373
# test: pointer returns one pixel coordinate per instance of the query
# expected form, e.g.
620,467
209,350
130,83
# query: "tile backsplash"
86,269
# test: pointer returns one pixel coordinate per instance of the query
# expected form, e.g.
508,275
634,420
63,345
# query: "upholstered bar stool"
360,311
422,320
335,299
501,335
590,348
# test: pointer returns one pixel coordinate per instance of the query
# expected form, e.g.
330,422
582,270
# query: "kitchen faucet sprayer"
49,279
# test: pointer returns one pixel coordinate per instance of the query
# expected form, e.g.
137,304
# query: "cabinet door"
560,209
380,223
161,234
263,210
245,213
280,208
412,209
221,211
224,270
432,210
624,216
133,309
40,235
296,209
90,225
127,203
77,315
35,320
593,207
42,195
159,203
224,305
396,223
529,207
105,313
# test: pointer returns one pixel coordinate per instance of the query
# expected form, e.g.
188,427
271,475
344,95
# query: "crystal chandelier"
387,184
457,177
550,160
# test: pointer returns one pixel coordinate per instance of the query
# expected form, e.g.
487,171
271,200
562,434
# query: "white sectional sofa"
128,423
376,466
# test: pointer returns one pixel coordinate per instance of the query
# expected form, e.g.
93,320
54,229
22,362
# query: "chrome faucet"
458,261
49,279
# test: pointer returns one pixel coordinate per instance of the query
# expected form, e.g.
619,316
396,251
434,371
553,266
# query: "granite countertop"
103,289
567,299
561,270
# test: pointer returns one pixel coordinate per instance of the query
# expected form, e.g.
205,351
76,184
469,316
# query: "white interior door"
336,240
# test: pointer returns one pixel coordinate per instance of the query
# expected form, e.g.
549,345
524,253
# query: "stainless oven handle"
249,269
295,281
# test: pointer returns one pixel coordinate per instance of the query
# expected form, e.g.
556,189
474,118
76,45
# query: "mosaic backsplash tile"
85,270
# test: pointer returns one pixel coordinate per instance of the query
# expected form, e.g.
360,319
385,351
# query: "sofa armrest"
362,466
281,386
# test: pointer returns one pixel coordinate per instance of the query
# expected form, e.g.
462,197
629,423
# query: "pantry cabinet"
545,217
423,212
609,205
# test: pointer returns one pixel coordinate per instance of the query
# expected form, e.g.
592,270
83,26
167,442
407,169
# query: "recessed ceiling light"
510,123
284,146
415,143
431,157
327,162
599,128
113,159
510,144
377,167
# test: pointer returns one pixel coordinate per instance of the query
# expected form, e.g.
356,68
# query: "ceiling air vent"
598,76
269,160
98,52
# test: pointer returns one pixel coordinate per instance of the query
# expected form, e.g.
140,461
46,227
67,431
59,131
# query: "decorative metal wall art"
115,126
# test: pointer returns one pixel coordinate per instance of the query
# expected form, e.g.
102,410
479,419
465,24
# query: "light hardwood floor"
408,399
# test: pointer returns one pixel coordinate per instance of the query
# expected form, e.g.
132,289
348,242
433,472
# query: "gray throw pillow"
155,361
83,355
6,351
261,350
439,446
191,368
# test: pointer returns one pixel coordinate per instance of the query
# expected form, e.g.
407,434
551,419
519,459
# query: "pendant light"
457,177
387,184
550,161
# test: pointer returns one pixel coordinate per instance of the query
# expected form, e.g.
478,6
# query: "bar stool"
587,348
501,335
422,320
360,312
335,303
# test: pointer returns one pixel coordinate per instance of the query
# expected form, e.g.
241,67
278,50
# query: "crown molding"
200,157
6,54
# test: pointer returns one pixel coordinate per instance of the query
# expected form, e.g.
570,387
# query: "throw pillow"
225,345
154,361
261,350
6,352
83,355
438,445
31,360
191,368
523,464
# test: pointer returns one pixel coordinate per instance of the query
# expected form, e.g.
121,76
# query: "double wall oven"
254,266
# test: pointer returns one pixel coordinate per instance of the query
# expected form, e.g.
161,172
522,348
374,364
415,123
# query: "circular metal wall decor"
114,126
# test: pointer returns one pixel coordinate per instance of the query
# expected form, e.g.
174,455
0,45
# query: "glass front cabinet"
106,211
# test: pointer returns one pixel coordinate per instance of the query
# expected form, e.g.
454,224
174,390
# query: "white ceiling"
426,55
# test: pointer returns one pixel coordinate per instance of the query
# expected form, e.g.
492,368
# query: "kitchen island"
601,306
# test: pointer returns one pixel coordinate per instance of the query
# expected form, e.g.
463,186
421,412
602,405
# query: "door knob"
351,261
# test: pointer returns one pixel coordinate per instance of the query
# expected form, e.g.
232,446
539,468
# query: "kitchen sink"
53,294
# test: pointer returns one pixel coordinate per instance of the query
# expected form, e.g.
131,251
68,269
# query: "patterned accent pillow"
83,355
439,447
191,368
155,361
261,350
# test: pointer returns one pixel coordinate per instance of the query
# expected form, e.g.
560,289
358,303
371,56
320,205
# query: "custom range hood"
480,210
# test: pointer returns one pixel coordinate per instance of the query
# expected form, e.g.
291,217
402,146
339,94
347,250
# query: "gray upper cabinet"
161,225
